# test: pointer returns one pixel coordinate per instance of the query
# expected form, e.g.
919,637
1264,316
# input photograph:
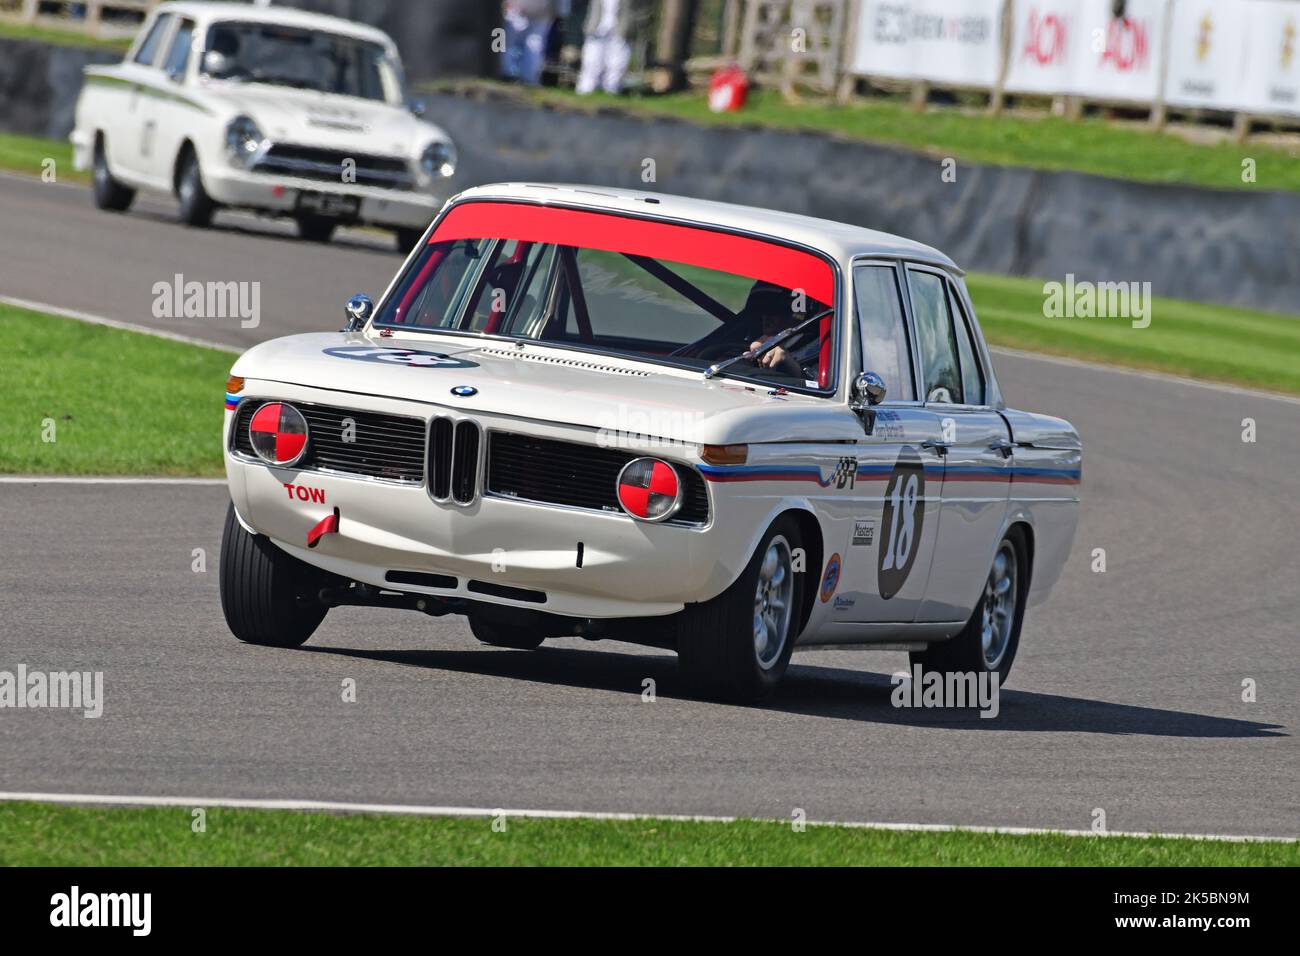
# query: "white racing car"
285,113
705,427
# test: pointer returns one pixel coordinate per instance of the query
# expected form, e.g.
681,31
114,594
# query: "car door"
886,559
169,113
973,438
130,131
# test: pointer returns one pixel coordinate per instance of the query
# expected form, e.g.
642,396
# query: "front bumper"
627,568
408,209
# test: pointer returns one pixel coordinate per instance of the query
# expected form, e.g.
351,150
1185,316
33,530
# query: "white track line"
114,323
401,809
105,480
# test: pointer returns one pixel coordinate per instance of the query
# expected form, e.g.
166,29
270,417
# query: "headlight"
438,160
649,489
243,140
278,433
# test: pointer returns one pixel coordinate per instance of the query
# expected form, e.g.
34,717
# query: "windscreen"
643,289
288,56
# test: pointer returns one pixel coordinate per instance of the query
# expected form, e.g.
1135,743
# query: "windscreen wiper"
776,340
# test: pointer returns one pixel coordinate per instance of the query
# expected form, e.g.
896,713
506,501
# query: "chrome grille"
453,460
351,442
579,476
326,165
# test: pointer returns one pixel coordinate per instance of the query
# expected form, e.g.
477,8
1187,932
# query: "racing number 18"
903,499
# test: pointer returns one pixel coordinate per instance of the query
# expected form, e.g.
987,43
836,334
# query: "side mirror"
358,312
416,105
215,63
868,390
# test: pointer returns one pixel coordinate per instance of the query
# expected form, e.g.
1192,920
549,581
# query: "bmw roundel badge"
464,391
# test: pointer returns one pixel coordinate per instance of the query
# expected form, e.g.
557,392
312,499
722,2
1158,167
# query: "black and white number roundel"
649,489
901,523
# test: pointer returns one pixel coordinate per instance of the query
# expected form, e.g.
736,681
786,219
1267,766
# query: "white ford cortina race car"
285,113
705,427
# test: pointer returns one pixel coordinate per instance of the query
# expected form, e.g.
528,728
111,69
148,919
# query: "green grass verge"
27,154
1040,141
1211,342
60,35
33,834
121,402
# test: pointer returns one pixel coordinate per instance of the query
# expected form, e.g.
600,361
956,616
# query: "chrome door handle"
939,447
1002,446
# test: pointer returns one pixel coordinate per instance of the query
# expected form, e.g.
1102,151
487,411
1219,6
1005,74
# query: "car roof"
210,11
838,240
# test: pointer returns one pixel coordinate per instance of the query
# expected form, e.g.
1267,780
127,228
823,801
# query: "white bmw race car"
285,113
698,426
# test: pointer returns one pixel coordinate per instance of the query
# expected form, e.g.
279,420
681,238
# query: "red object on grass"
728,89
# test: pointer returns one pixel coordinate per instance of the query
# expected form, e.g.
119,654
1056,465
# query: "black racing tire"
505,635
407,238
110,194
268,596
965,652
718,647
316,228
196,206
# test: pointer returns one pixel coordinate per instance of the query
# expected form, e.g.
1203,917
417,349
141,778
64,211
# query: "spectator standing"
528,25
607,46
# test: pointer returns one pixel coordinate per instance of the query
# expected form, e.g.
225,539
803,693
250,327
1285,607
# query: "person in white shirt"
606,48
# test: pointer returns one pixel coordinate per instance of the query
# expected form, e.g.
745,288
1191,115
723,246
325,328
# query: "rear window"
644,289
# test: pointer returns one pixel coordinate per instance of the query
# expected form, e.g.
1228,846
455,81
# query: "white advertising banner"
1270,81
1207,51
1044,46
1077,47
948,42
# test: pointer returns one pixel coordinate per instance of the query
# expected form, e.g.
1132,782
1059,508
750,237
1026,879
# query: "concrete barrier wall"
39,83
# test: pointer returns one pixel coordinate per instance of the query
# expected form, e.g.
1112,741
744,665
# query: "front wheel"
990,639
110,194
268,596
737,646
196,207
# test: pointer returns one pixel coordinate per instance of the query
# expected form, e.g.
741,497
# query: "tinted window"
178,57
934,335
885,349
149,48
972,376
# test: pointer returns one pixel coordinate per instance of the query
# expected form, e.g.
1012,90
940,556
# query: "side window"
178,57
972,376
939,367
148,51
885,348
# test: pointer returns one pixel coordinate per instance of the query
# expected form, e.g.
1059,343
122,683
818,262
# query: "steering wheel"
719,350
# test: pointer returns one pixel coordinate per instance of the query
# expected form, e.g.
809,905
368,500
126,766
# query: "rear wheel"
196,207
990,639
268,596
738,645
407,239
316,228
110,194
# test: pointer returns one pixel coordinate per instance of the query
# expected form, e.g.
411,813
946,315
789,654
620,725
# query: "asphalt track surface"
1127,695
